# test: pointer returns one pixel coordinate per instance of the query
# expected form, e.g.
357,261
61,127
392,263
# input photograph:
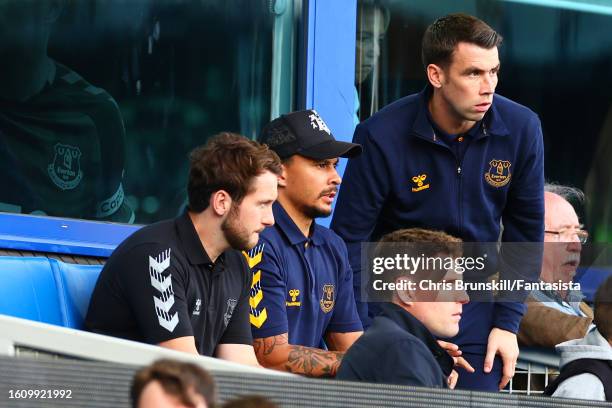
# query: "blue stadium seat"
28,290
46,290
75,285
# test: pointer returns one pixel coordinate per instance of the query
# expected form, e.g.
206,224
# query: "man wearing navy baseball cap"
303,312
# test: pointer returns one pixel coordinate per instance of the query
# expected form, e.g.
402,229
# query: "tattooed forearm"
313,362
267,345
276,352
257,345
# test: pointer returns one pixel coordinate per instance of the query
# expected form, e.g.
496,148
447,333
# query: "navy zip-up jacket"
409,177
397,349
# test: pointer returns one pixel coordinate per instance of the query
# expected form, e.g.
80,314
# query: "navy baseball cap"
305,133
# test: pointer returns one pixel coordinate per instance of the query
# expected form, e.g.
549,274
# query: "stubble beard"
235,233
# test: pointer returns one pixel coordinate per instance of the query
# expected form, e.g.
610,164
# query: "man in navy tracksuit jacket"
458,158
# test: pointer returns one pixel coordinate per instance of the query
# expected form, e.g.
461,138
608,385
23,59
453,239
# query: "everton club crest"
65,171
328,299
499,173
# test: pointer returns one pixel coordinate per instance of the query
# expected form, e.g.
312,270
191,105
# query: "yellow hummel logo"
418,180
294,293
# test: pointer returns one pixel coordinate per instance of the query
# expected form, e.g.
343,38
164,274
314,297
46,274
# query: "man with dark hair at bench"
181,283
399,347
172,384
586,364
303,311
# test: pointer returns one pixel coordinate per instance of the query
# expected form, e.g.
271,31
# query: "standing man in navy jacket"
459,158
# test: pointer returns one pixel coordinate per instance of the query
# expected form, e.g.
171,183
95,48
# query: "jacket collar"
410,324
286,225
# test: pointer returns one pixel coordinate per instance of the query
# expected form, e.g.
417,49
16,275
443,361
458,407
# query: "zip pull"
458,170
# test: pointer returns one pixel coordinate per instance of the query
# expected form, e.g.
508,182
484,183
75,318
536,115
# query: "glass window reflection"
101,101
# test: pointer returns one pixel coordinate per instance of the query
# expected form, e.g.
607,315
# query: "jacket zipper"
459,184
459,170
459,188
460,181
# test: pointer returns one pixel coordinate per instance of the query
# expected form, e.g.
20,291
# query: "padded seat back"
75,285
28,289
46,290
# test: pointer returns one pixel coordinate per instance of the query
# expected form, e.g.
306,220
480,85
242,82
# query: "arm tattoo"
266,345
313,362
307,361
257,343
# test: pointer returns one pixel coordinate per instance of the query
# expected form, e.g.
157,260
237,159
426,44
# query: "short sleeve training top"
160,284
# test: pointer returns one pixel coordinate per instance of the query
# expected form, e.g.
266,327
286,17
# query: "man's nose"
335,178
376,50
462,297
488,84
268,218
574,245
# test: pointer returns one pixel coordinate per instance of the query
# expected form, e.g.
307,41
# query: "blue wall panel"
330,71
61,235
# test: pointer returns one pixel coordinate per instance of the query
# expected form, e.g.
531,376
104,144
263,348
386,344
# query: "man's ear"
404,295
282,179
435,75
220,202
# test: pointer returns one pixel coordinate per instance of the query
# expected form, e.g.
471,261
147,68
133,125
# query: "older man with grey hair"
556,316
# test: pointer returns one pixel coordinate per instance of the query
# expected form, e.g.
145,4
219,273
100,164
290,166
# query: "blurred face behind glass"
562,246
371,30
25,24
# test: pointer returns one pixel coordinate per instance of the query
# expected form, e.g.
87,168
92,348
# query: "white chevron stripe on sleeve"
164,305
169,324
163,284
161,263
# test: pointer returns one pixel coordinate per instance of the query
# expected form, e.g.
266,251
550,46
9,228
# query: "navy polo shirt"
301,285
